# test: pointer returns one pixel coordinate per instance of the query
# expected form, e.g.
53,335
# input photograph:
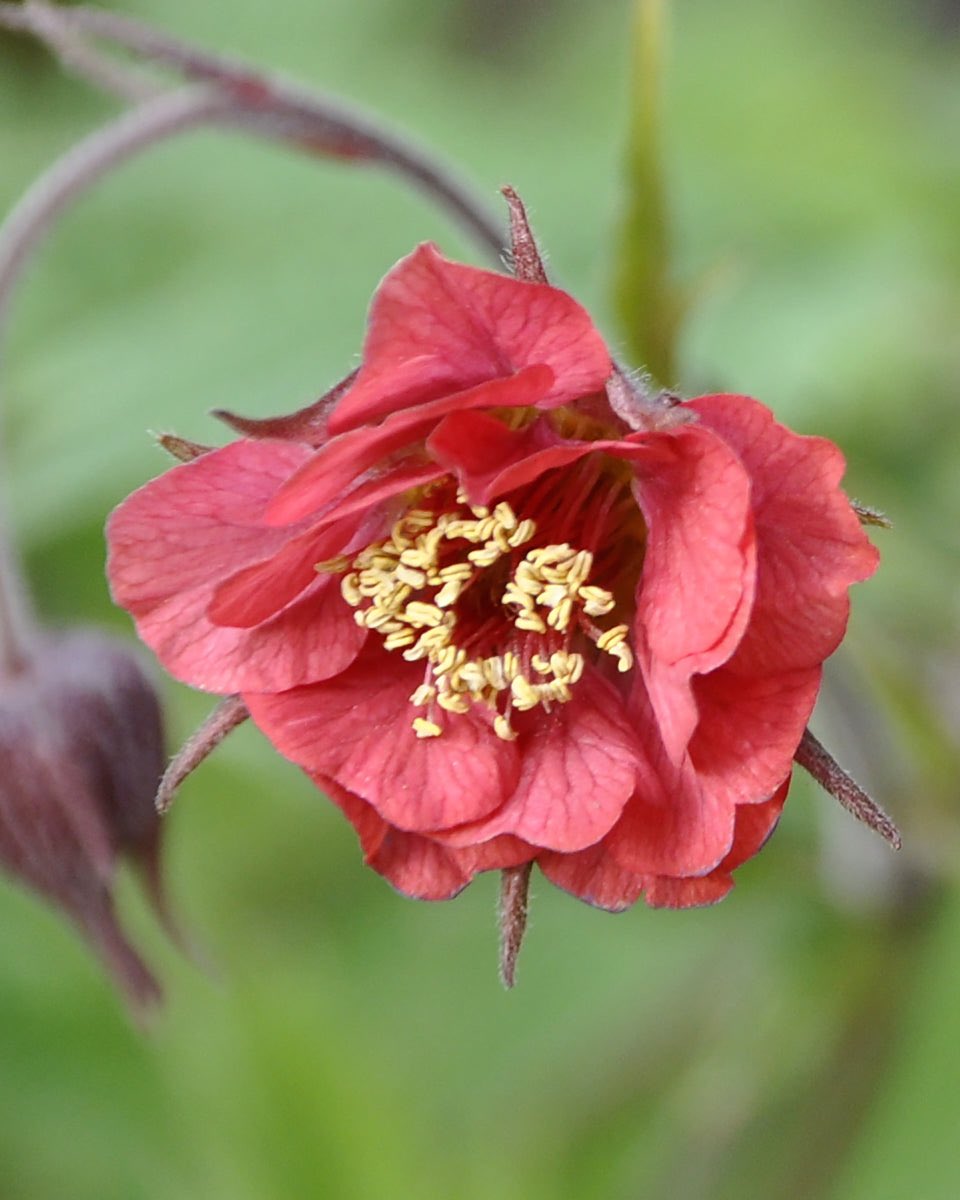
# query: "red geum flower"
502,609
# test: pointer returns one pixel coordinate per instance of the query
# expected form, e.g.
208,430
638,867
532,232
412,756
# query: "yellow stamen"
399,588
502,728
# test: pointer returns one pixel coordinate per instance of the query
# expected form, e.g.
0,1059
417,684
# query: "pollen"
411,589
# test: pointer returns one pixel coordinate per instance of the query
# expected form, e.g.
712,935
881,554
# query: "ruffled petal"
749,729
174,540
254,594
754,825
810,544
490,459
578,769
437,327
198,522
593,875
415,865
341,461
696,588
672,825
356,730
312,639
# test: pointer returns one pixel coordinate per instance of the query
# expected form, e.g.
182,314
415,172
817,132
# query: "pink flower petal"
253,595
312,639
437,327
176,538
698,558
199,521
370,491
696,589
754,824
490,459
578,769
416,865
749,730
593,875
672,825
356,730
339,463
810,545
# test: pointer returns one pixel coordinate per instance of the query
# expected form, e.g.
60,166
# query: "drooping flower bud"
81,752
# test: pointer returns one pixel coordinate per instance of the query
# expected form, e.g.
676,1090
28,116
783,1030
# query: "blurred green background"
802,1040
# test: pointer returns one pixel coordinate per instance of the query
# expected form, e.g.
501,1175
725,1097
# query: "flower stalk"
514,897
253,101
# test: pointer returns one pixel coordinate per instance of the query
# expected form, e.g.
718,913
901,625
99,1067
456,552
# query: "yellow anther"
624,656
399,639
454,702
541,665
430,541
555,691
612,637
460,570
423,695
349,590
415,578
580,567
531,622
501,541
505,516
524,694
416,557
486,556
377,617
502,728
382,562
526,582
394,596
597,601
567,668
549,554
513,595
369,587
449,594
426,729
523,532
511,664
559,617
552,595
421,614
494,673
471,675
449,658
332,566
434,638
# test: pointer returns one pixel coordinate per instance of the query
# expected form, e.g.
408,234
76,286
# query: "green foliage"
799,1040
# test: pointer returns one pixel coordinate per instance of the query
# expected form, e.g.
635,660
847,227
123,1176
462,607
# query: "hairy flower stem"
514,889
23,231
824,768
85,164
260,103
229,713
16,622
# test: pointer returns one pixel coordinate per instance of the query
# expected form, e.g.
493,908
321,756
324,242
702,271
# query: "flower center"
494,616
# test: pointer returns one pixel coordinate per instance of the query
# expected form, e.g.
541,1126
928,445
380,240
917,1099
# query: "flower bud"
81,753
